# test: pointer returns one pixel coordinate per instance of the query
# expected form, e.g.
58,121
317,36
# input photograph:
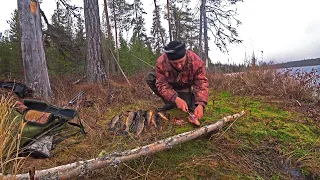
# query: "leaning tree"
32,50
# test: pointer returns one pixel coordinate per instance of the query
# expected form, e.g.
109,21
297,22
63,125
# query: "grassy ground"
279,139
269,143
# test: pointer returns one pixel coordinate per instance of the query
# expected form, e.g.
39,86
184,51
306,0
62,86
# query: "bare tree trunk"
96,72
116,32
169,22
82,167
205,32
158,23
176,21
111,63
201,29
32,50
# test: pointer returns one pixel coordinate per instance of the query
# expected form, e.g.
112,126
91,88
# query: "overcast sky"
285,30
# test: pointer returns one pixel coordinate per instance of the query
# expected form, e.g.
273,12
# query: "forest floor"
279,139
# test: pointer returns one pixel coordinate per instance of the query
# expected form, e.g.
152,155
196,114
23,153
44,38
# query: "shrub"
294,85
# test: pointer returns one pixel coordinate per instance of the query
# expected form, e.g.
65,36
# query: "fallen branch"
79,80
81,168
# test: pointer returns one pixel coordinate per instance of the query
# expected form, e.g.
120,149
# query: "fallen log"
81,168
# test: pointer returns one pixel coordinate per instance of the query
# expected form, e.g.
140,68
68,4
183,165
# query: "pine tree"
5,56
58,42
121,18
222,22
158,40
139,38
127,61
80,43
121,14
11,60
183,26
62,28
96,72
138,22
65,40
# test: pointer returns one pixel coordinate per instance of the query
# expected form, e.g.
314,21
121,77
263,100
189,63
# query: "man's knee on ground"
150,77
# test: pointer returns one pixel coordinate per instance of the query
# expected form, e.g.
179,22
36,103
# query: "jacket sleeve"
201,85
165,89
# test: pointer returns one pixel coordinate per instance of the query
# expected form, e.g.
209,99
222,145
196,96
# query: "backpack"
19,89
44,126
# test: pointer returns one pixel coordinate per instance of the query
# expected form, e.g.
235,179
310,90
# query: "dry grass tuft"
10,135
290,85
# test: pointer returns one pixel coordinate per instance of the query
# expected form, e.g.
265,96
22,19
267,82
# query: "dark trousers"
185,94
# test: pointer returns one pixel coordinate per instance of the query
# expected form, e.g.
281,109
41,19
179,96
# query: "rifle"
76,98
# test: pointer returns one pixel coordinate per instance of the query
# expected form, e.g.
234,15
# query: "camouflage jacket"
193,74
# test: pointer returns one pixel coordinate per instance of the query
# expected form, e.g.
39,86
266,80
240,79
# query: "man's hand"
181,104
198,112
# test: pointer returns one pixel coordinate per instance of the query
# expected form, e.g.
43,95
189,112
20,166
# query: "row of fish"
136,122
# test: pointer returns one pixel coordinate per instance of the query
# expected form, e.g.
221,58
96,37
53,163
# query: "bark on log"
81,168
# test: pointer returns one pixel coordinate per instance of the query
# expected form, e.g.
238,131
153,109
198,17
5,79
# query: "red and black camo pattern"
168,80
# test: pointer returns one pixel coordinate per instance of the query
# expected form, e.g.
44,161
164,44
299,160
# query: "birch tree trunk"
96,72
32,50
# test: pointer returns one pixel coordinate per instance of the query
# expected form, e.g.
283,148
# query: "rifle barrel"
76,97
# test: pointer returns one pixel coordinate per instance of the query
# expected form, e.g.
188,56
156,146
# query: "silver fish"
153,120
149,115
122,121
159,119
135,121
139,126
113,122
163,116
129,120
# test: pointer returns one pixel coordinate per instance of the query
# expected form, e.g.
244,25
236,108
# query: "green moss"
259,134
183,129
222,110
225,154
225,95
183,152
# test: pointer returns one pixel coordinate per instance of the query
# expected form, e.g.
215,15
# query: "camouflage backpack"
44,126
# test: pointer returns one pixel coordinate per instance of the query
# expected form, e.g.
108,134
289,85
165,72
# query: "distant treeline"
226,68
301,63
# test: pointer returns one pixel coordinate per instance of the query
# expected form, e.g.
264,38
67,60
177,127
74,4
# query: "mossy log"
81,168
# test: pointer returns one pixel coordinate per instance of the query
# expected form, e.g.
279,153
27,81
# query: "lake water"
305,68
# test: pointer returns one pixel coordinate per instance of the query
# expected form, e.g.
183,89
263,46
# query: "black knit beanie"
175,50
